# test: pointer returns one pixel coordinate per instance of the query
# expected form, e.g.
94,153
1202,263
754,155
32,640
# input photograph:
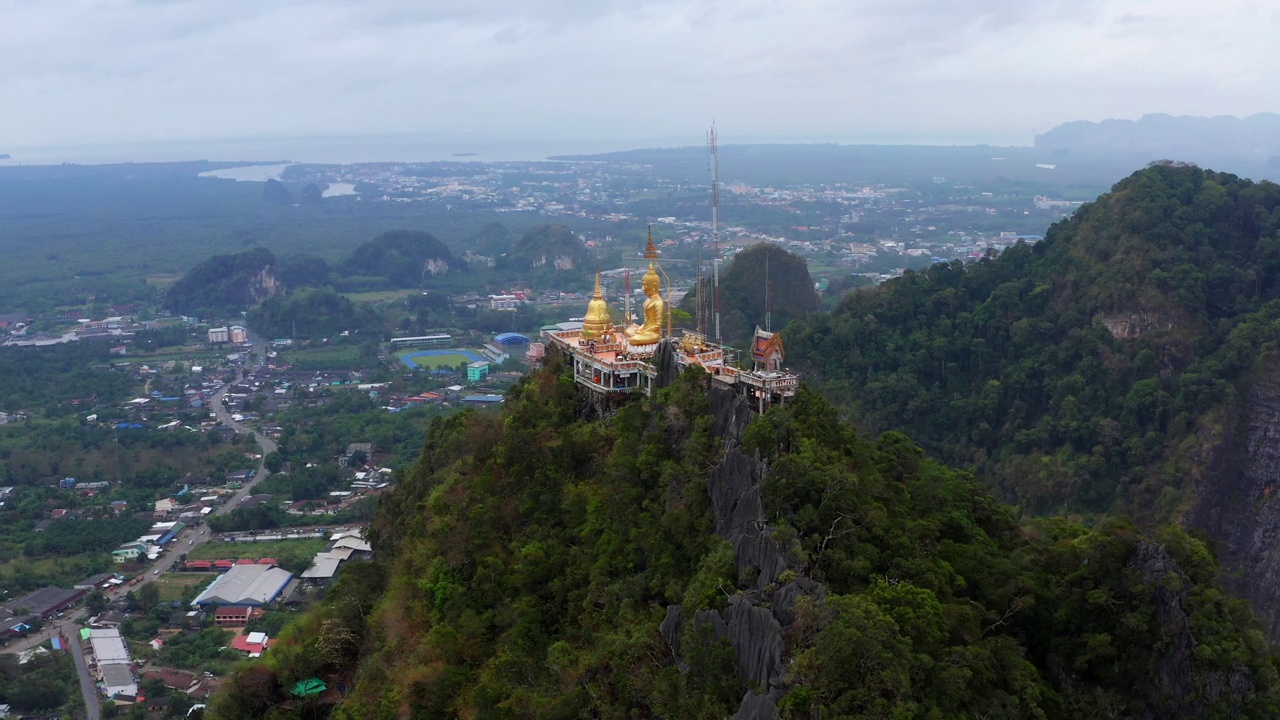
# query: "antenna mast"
626,302
715,222
768,295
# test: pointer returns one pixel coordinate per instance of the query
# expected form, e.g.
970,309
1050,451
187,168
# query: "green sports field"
435,359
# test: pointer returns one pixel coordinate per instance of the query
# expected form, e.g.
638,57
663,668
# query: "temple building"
614,361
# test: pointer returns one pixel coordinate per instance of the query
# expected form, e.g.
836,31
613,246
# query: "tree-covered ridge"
224,284
547,249
408,258
763,268
1087,371
312,313
528,559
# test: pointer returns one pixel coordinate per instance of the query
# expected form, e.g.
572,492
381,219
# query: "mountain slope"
225,283
687,559
1106,369
406,257
546,250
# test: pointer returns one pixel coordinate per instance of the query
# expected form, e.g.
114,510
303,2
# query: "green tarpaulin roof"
310,687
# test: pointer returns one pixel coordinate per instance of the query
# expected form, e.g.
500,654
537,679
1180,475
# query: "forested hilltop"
1122,365
687,559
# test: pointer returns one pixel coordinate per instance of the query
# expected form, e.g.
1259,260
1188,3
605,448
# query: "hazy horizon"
85,74
408,147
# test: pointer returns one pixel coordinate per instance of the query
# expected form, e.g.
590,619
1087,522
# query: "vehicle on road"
156,571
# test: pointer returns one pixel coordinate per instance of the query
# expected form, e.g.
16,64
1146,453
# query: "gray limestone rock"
670,628
757,637
1175,691
1238,499
757,707
664,360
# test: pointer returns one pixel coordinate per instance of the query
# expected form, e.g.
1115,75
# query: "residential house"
128,552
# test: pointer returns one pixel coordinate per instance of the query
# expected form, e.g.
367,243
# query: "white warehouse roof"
245,585
323,567
108,647
118,680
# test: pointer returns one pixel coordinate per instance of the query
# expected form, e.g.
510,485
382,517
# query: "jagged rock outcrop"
1176,692
664,361
754,621
263,286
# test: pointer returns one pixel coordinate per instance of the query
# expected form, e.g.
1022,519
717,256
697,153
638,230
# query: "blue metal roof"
510,338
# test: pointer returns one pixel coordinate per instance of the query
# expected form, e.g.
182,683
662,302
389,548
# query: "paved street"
87,687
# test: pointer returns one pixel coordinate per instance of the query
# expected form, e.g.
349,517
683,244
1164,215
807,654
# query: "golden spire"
651,250
597,321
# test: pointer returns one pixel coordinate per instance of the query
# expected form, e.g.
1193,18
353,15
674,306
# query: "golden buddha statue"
654,310
597,323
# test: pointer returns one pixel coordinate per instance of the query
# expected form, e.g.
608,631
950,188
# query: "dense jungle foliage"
1082,373
311,314
526,562
59,378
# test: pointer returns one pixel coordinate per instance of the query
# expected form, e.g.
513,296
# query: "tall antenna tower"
701,290
714,153
768,295
626,302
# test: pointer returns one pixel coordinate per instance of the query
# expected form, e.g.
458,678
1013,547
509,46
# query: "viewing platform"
606,365
613,360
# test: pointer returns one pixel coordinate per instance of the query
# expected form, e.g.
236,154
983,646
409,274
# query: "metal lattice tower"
714,153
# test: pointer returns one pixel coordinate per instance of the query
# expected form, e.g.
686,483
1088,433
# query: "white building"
117,679
219,335
503,302
245,586
108,647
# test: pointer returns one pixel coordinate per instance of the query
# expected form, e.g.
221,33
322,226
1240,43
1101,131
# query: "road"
195,536
87,687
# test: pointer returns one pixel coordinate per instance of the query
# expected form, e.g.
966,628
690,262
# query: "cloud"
98,71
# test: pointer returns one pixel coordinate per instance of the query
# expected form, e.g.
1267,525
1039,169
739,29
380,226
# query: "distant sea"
347,149
340,149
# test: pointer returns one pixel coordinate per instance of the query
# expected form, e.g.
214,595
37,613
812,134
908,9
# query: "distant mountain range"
1183,137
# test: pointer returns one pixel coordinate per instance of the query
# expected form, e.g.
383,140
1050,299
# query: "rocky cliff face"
263,286
1176,692
756,618
435,266
1126,325
1238,504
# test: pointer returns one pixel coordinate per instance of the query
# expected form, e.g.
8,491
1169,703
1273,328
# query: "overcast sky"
111,71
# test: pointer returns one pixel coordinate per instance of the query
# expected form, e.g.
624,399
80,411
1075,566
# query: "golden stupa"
597,323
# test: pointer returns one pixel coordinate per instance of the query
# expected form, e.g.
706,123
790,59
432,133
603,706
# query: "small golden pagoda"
597,323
